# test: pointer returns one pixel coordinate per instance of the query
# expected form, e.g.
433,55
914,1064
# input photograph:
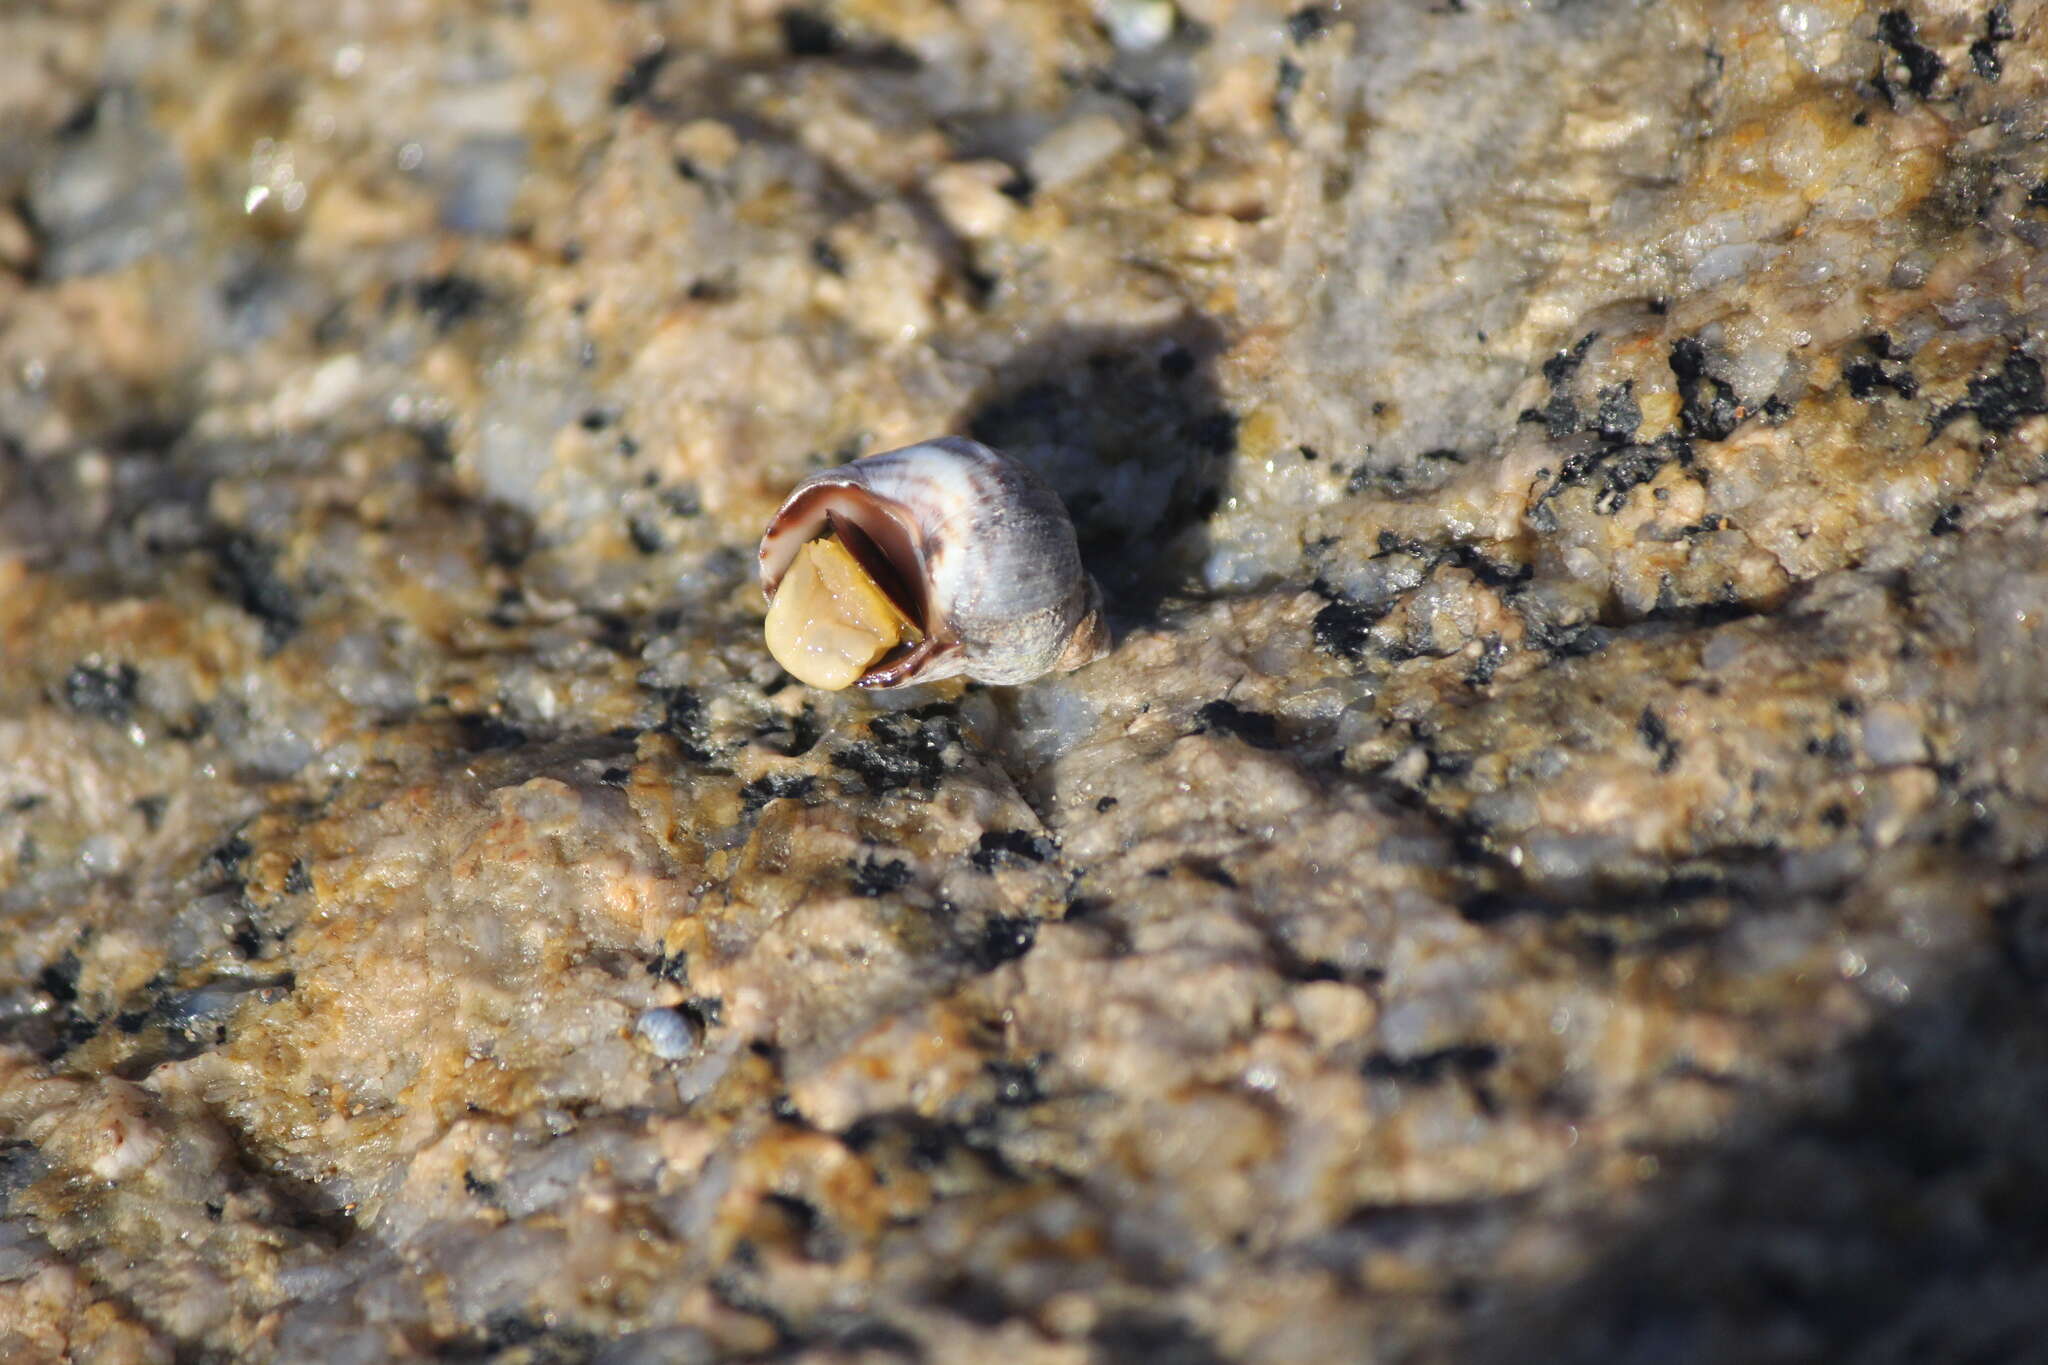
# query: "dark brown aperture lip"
872,558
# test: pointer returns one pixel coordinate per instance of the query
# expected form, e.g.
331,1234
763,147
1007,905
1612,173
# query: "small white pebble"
667,1034
969,196
1075,148
1891,735
1137,25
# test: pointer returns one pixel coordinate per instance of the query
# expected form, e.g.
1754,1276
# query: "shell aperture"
830,621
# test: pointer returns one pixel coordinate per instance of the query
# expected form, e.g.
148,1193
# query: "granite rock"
1555,852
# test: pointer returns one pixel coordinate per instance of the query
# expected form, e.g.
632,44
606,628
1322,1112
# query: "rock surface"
1557,852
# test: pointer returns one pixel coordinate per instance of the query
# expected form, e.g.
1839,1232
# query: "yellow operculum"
830,621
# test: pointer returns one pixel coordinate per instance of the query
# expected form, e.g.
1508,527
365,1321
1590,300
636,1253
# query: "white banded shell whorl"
938,560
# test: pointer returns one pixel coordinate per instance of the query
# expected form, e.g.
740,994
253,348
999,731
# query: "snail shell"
970,547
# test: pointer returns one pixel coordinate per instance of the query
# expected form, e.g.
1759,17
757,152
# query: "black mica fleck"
1255,728
508,536
806,33
1344,628
906,751
809,32
1559,415
1286,85
1492,655
1308,23
65,1031
246,940
81,121
1619,414
2002,400
1627,469
225,861
1866,376
55,1033
1559,369
1923,64
1567,641
703,1011
1657,739
104,691
814,1232
1985,58
245,569
638,82
1004,938
1708,408
873,879
645,535
683,718
1614,471
776,787
1009,848
1016,1084
1427,1068
449,299
59,980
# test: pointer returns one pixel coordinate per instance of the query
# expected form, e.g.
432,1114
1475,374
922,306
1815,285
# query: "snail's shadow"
1129,427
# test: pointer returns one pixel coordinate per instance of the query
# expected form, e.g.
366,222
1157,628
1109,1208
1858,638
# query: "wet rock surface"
1555,853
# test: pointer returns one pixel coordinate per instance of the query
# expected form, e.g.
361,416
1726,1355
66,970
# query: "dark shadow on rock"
1895,1211
1129,428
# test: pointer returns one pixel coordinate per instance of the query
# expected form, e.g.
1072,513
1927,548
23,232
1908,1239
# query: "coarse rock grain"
1556,852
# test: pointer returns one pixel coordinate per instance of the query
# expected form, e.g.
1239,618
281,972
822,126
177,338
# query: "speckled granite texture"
1555,867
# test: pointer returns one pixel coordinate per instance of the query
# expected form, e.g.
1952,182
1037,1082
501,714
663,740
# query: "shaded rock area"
1552,868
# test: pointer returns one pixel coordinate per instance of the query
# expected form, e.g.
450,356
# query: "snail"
938,560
